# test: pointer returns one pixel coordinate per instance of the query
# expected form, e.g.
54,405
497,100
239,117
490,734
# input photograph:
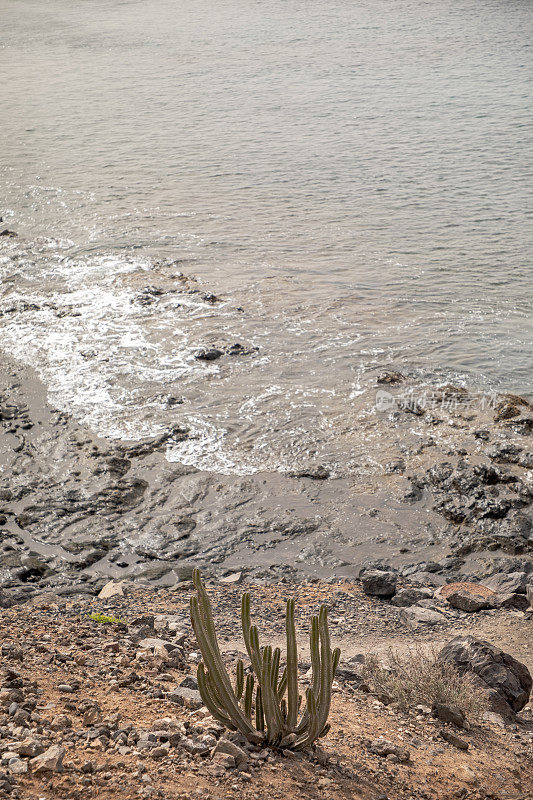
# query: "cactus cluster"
265,704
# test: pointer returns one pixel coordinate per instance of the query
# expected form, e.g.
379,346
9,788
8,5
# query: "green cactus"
277,718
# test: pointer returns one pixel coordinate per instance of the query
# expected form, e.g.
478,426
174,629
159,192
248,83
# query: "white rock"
17,766
111,589
235,577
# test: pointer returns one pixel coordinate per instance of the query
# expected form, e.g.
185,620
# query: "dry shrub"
419,678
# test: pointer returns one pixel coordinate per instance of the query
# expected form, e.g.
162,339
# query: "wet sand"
454,500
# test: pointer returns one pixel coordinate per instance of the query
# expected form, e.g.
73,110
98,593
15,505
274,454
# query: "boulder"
188,698
61,723
469,598
160,647
508,582
517,601
464,601
17,766
49,761
224,760
390,377
29,748
408,597
234,577
379,583
507,681
425,578
111,589
415,616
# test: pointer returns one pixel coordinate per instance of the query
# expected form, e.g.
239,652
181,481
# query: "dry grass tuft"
419,678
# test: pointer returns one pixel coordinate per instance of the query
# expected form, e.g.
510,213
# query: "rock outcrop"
507,681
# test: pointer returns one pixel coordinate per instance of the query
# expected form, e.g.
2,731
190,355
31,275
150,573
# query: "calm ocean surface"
352,179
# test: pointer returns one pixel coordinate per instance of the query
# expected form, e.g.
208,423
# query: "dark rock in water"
174,434
522,425
510,406
448,713
148,295
379,583
390,377
240,350
208,355
408,597
507,681
413,408
504,453
10,234
318,473
507,583
209,297
445,394
174,401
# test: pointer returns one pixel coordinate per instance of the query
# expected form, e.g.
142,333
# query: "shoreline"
77,510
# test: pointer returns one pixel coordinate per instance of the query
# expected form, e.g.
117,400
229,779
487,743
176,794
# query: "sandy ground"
51,642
